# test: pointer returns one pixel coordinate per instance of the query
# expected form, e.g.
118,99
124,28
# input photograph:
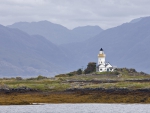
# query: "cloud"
72,13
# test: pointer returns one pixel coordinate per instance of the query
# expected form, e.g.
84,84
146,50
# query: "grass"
122,79
43,85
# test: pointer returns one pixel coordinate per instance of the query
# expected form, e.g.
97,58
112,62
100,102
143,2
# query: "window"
107,69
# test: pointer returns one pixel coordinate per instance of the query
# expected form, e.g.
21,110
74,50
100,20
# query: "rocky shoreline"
17,90
20,96
109,90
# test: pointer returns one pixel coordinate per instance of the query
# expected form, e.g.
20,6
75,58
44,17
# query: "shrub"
91,67
61,75
41,77
19,78
79,72
70,74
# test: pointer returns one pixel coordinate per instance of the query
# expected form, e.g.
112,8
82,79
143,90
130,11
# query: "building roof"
101,49
108,64
105,65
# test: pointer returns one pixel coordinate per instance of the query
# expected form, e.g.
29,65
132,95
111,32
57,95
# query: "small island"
121,86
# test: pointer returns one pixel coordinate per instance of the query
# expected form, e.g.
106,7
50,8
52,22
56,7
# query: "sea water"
77,108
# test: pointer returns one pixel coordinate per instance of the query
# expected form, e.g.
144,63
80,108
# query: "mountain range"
29,49
56,33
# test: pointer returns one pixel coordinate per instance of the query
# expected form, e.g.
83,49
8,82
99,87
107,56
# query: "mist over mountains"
30,49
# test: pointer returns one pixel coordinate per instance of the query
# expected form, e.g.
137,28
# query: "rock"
19,90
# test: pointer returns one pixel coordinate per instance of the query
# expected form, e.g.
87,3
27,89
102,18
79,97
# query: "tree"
91,67
79,72
41,77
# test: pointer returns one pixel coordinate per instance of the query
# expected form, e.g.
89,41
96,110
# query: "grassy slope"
123,79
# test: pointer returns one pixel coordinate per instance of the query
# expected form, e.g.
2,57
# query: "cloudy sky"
73,13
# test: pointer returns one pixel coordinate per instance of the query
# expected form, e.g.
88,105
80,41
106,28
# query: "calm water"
77,108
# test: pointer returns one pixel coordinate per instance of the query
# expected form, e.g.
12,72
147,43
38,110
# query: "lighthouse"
102,65
101,57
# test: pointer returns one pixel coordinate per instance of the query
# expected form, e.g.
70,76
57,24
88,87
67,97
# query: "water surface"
77,108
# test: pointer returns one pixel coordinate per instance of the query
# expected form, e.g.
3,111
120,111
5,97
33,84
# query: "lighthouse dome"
101,49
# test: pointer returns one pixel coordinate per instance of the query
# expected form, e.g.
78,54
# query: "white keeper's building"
102,65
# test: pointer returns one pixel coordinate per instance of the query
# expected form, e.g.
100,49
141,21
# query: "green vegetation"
120,78
39,83
91,67
108,73
79,72
67,74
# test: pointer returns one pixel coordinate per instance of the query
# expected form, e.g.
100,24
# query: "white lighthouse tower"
101,57
102,65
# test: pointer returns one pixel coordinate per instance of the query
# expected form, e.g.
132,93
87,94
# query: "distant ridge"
136,20
56,33
25,55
